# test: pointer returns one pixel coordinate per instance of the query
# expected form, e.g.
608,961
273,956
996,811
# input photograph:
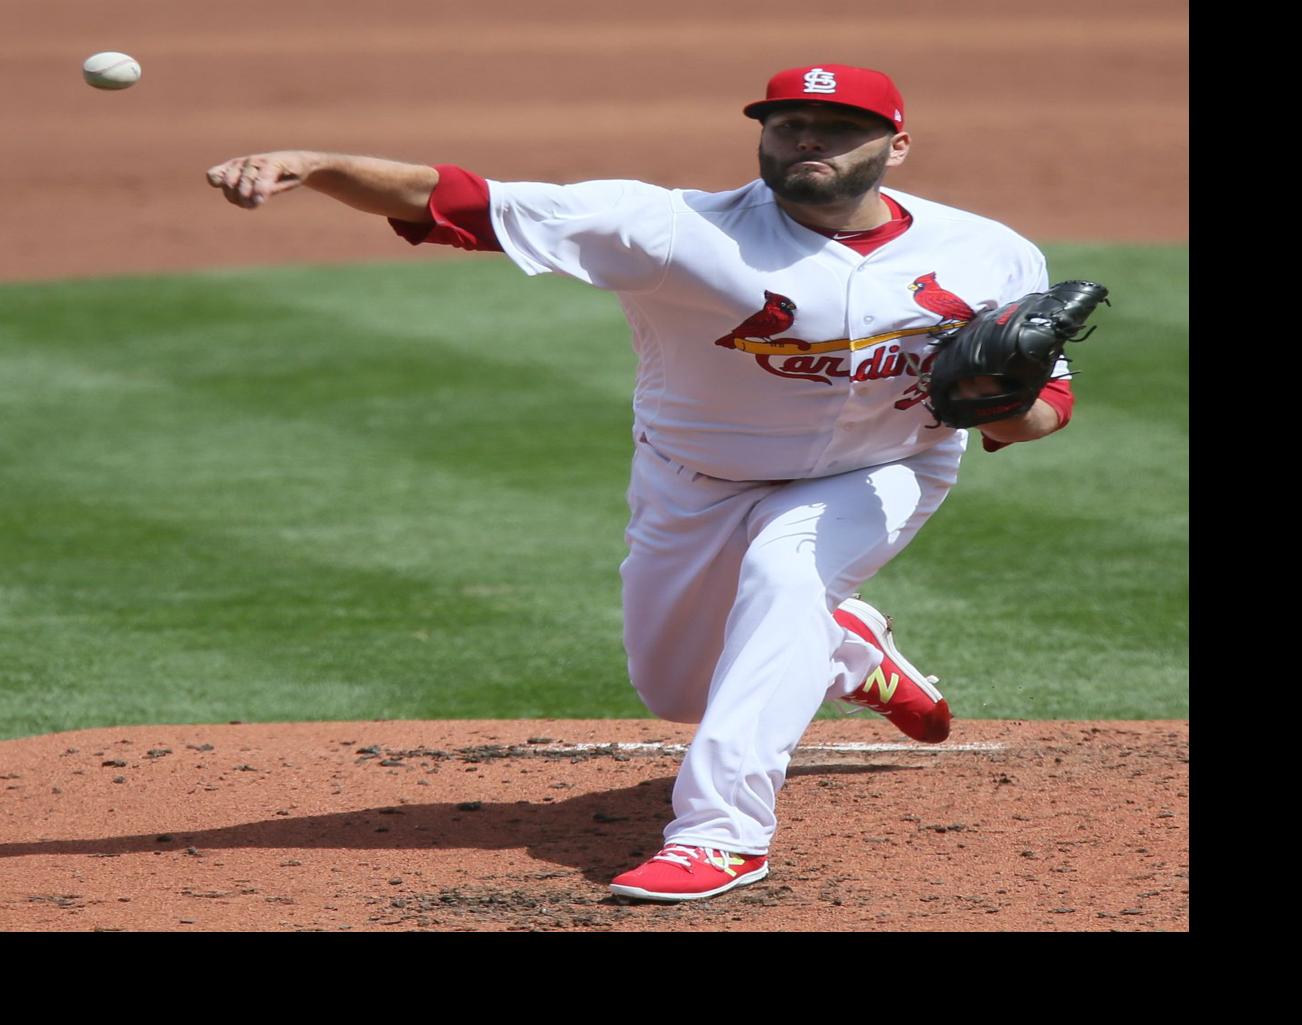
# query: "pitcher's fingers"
225,174
233,195
249,174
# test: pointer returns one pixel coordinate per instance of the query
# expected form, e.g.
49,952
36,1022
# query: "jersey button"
868,320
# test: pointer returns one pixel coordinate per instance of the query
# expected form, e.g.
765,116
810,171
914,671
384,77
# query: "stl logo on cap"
842,84
819,81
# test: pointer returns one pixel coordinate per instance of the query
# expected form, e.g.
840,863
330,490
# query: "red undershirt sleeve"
459,206
1056,393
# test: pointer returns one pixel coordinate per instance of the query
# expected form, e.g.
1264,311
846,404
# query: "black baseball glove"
1018,344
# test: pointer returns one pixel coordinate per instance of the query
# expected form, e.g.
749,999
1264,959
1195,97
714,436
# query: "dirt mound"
508,825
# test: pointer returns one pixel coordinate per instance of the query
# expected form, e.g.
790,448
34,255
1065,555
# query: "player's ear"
899,149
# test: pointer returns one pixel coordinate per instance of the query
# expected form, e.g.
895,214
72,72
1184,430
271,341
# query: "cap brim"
761,109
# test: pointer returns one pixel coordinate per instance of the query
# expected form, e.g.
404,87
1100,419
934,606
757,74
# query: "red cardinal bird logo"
778,315
930,296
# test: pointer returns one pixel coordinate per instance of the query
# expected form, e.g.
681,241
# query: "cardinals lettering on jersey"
802,360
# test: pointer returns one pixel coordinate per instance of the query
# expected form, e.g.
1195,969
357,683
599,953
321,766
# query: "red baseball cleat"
895,689
690,873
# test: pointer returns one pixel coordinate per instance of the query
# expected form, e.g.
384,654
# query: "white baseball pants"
729,589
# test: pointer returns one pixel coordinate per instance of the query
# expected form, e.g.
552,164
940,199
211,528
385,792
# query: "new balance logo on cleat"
885,690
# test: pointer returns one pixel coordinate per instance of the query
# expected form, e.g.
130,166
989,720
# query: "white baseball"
110,70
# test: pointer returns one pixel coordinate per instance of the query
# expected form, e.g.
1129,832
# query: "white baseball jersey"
784,451
826,380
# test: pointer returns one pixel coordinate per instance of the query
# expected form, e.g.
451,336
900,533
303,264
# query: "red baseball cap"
860,88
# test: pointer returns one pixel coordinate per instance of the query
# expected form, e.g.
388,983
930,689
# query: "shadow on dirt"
595,833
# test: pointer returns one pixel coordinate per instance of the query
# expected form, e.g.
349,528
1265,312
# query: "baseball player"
784,448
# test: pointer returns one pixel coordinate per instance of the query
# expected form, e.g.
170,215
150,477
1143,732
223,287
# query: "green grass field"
398,492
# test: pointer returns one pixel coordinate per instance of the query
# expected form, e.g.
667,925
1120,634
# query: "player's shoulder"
961,222
751,196
976,240
595,194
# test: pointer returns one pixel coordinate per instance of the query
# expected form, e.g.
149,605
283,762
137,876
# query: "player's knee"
672,707
669,699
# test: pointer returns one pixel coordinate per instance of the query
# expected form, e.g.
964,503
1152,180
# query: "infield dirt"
1029,826
1065,125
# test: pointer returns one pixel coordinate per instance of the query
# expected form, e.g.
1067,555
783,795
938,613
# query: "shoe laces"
683,856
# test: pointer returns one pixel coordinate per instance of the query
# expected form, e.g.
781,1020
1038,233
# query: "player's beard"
811,187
